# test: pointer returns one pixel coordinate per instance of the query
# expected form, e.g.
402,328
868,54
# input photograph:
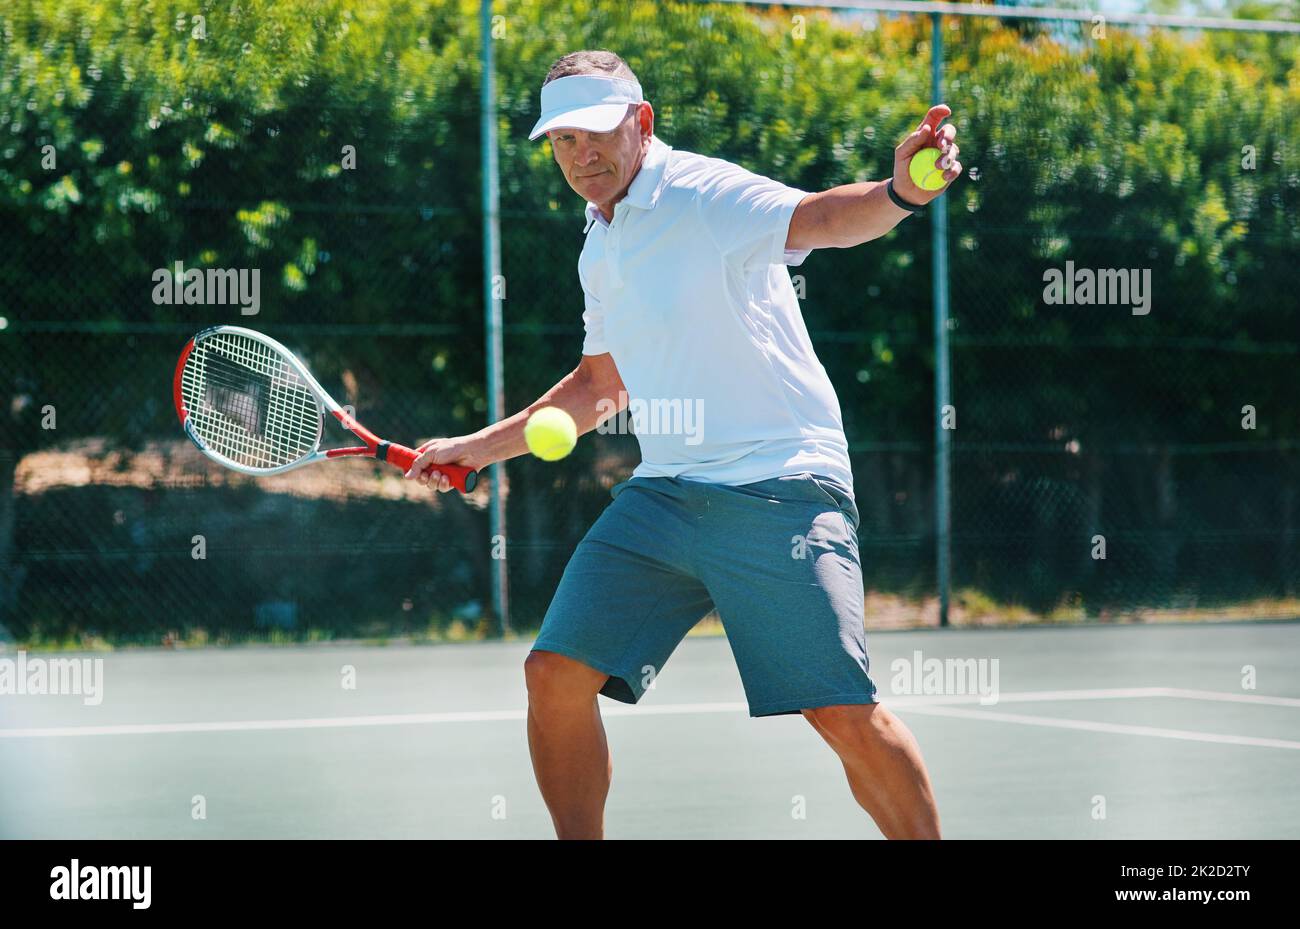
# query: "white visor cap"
585,101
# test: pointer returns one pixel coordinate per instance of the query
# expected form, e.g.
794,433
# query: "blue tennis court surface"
1110,732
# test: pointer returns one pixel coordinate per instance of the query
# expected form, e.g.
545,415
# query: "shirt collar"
645,188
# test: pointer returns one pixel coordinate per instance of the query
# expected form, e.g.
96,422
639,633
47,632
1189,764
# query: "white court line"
345,722
1030,696
1056,723
1230,697
931,704
260,725
1043,696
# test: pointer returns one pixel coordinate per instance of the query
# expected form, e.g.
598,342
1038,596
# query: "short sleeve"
593,323
748,216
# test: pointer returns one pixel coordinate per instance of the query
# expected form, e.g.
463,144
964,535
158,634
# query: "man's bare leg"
884,767
567,742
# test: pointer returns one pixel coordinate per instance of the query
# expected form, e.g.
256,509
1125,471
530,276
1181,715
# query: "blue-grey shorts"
778,559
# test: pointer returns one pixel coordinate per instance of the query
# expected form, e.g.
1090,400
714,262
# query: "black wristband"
900,202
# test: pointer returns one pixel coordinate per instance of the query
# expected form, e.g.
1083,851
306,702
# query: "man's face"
599,166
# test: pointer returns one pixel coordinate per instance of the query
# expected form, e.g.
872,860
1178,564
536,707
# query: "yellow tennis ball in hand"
924,169
551,433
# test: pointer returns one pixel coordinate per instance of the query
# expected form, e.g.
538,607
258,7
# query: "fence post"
492,307
942,388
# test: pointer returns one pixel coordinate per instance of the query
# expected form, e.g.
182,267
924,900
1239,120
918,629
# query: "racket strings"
247,403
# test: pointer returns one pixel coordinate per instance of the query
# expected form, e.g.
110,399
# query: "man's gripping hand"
460,450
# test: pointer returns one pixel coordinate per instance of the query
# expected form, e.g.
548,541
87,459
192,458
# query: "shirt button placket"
611,247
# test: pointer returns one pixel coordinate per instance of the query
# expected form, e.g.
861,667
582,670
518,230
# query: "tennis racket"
248,403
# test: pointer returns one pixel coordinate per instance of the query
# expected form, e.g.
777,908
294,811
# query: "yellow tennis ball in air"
551,433
925,171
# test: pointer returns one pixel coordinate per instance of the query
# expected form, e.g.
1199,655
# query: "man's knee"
552,677
847,723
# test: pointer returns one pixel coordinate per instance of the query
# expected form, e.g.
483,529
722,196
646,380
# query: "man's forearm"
844,216
577,395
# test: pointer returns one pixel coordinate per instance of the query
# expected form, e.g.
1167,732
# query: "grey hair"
595,61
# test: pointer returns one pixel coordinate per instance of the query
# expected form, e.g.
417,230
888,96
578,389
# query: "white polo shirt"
687,290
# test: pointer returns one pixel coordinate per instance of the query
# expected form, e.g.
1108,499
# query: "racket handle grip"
462,478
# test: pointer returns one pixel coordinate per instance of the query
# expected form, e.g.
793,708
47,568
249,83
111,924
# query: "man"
688,301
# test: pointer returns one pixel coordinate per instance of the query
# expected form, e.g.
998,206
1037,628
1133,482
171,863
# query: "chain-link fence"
1111,454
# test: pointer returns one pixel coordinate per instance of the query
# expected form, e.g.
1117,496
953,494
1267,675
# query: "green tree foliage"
221,143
